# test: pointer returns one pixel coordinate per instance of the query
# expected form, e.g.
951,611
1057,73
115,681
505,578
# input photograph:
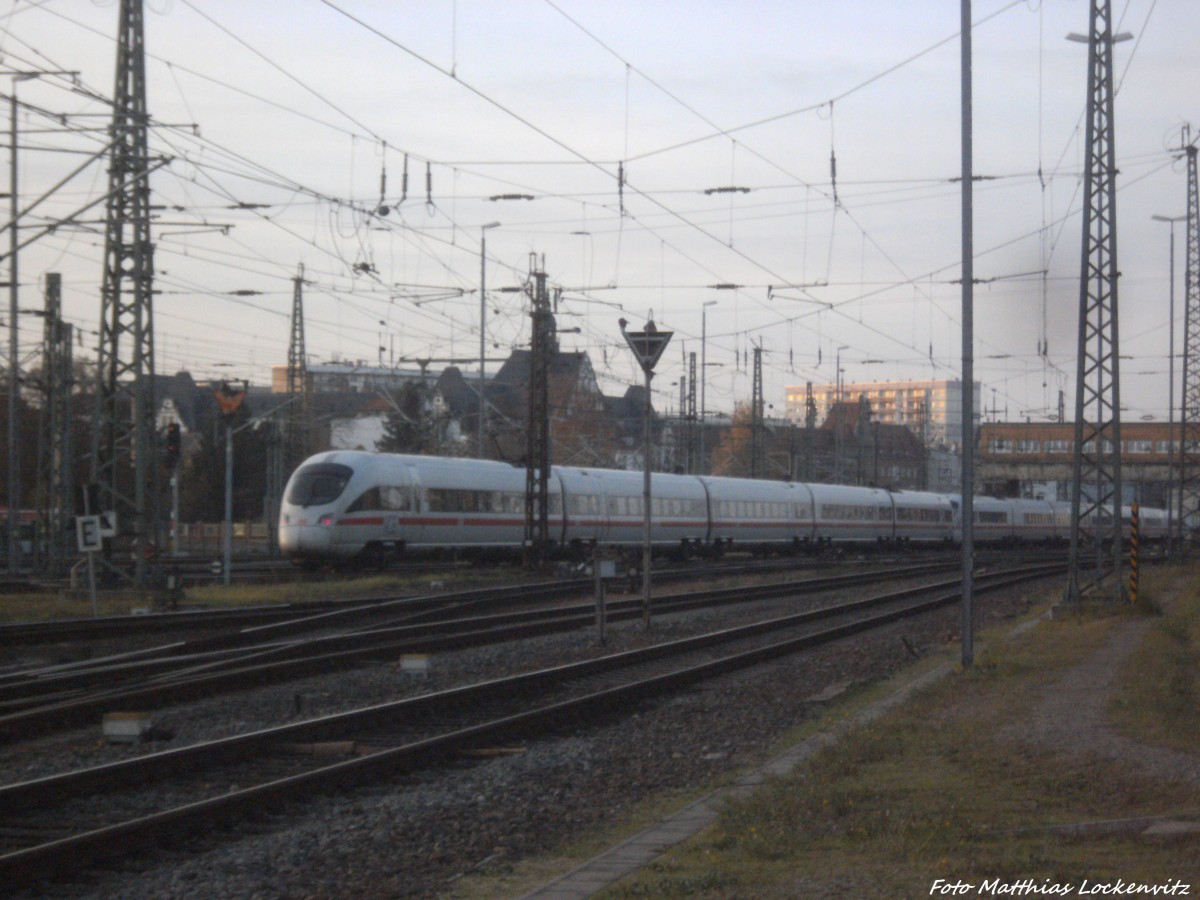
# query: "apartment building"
931,410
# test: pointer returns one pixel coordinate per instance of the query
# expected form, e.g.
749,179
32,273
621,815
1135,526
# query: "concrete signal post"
647,346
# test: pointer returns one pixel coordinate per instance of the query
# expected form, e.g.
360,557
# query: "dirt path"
1072,712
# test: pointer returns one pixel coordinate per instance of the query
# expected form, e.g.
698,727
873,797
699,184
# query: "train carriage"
1034,521
472,504
923,517
852,514
759,514
993,519
605,505
1152,524
344,504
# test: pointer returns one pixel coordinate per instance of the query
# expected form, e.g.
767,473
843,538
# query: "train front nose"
302,537
311,503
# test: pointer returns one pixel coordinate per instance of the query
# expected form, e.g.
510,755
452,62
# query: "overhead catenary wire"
357,229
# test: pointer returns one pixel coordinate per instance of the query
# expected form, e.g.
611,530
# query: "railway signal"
648,346
171,456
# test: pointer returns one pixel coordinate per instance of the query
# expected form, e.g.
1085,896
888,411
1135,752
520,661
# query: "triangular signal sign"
648,347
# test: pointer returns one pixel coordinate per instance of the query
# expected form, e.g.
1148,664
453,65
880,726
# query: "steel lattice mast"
1096,472
1189,454
542,347
124,452
55,488
757,450
296,430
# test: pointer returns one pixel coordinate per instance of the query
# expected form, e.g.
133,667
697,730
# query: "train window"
318,484
585,505
439,500
396,498
845,511
909,514
992,518
369,500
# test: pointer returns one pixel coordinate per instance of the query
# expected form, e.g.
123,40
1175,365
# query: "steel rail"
58,700
47,858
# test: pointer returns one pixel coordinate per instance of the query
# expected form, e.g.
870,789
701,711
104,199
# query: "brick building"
1034,459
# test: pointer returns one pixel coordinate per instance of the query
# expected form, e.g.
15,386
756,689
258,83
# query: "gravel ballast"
417,836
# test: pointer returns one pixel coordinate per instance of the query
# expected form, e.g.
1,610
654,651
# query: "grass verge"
57,605
1159,700
954,785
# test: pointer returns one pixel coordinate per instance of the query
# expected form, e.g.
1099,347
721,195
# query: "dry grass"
948,787
57,605
1160,697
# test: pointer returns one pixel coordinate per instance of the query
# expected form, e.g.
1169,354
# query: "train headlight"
326,519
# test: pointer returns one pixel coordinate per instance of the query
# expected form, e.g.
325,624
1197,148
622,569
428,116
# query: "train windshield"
319,484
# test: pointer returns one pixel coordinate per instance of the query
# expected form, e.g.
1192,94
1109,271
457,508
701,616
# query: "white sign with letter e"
88,534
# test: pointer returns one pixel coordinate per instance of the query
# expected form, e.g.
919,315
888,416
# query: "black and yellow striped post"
1134,523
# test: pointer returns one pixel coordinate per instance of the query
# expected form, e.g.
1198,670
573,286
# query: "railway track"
66,696
190,622
57,824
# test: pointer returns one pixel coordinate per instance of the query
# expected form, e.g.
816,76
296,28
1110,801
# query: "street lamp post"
703,376
14,393
841,413
14,388
230,431
483,229
1172,520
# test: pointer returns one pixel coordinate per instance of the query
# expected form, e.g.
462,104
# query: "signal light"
171,456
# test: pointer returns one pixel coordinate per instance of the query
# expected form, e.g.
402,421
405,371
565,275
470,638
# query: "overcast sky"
283,120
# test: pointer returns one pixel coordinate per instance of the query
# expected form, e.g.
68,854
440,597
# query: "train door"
602,521
887,517
410,525
556,513
804,514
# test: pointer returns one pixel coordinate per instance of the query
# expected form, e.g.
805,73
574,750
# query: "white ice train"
352,505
